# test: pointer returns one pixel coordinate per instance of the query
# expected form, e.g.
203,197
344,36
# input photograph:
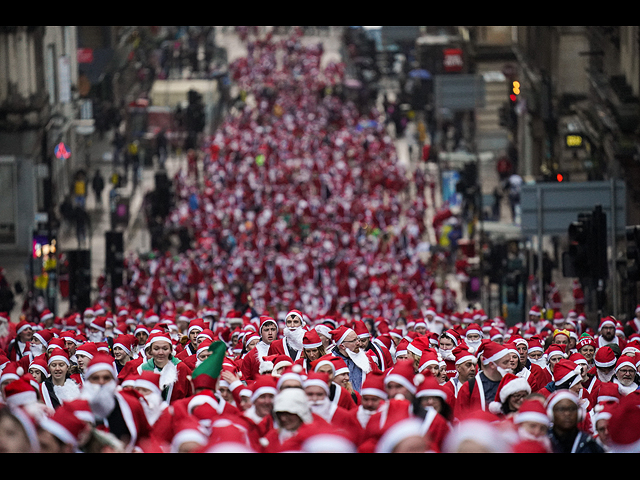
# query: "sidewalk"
17,266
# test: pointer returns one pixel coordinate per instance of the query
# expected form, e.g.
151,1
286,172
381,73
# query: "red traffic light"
559,177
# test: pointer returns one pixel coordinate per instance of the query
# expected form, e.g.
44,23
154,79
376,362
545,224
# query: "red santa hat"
99,323
429,358
20,392
22,326
555,350
531,410
473,328
608,392
339,334
195,324
59,355
298,314
491,351
264,384
361,329
605,357
374,385
311,339
428,386
535,311
624,425
46,315
44,336
626,361
509,385
559,395
101,362
462,354
65,426
566,371
401,348
126,343
607,322
402,373
88,349
317,379
419,345
149,380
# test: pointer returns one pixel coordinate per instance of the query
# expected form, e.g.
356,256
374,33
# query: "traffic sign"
62,152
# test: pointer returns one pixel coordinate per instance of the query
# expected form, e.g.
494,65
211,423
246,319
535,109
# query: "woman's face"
58,370
161,351
37,374
13,438
588,351
119,354
515,401
312,354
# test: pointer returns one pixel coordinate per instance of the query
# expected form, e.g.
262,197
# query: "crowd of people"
307,315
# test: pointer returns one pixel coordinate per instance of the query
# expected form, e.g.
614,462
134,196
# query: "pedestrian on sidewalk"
98,186
82,225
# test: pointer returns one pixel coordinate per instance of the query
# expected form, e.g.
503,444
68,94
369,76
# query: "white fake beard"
605,377
504,371
446,354
95,337
294,337
360,359
36,350
322,408
101,398
540,362
473,346
364,416
4,329
153,407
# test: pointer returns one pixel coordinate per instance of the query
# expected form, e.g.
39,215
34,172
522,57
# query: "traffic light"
515,91
633,253
79,279
578,245
115,258
587,255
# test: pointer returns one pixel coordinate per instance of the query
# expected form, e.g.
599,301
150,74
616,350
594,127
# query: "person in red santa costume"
476,394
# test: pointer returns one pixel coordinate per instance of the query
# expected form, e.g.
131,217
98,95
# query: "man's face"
608,332
371,402
363,342
269,331
561,339
421,329
446,343
522,352
394,389
264,404
100,378
565,414
289,421
350,343
193,335
142,337
538,430
293,321
504,362
71,346
315,393
602,429
466,369
534,355
626,375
